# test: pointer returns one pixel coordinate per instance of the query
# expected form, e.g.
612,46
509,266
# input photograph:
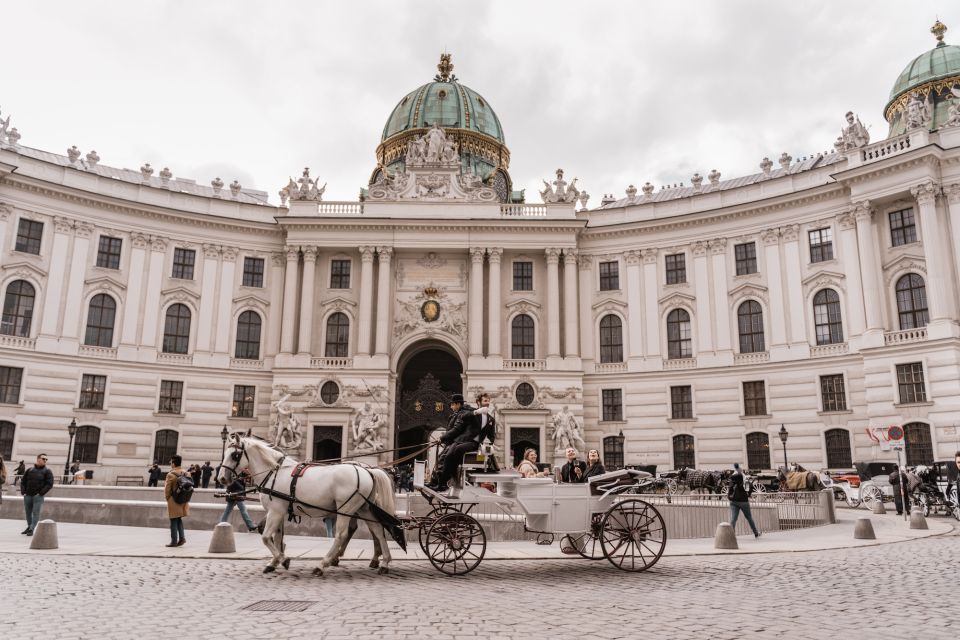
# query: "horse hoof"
335,563
286,563
318,571
269,568
383,571
374,563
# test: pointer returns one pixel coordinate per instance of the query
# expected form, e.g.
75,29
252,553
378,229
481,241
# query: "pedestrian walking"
176,511
195,474
3,478
74,470
35,484
739,496
236,498
155,473
205,472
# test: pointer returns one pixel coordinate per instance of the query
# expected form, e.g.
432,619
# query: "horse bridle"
236,456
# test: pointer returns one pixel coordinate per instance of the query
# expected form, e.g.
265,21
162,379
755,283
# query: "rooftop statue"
4,125
433,148
854,135
953,113
560,191
918,112
305,188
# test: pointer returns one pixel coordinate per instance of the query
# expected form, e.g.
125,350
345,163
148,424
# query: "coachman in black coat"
469,428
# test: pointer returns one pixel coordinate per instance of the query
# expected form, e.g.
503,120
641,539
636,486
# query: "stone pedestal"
222,540
878,507
726,537
45,535
863,530
917,521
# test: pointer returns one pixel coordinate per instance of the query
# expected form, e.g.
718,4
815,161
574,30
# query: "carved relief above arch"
610,305
104,284
677,300
338,303
748,290
524,305
896,269
180,294
825,280
25,271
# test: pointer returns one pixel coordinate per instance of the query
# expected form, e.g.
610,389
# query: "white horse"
349,490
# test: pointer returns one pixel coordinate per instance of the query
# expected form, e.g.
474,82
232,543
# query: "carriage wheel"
852,501
587,543
759,487
633,535
455,544
869,495
428,520
673,487
925,505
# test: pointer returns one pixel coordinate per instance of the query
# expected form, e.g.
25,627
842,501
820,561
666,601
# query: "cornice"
437,226
928,154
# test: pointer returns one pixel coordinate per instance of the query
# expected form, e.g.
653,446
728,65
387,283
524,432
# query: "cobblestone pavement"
839,594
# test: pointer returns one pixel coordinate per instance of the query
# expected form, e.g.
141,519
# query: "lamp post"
223,449
72,430
619,442
783,438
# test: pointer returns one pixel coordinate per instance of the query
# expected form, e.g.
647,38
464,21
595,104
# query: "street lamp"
783,438
618,440
72,430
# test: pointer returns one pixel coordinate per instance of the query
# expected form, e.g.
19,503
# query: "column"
721,304
307,289
73,303
939,299
287,337
952,193
778,316
384,255
494,304
150,337
5,212
571,328
553,302
208,298
586,307
795,310
635,304
366,301
869,266
131,305
224,325
276,303
59,252
475,317
701,284
851,267
651,306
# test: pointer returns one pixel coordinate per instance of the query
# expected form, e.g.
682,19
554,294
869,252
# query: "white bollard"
726,537
45,536
917,521
222,540
863,530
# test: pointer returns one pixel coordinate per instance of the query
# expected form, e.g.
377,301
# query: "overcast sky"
613,92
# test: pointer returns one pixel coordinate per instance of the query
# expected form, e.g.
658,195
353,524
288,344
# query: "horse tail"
383,495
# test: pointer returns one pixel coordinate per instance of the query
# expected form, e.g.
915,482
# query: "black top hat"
457,397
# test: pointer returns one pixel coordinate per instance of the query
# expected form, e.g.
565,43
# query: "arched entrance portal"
429,375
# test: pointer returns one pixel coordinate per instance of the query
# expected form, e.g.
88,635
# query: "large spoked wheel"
455,544
870,494
429,519
758,487
852,501
587,543
673,487
633,535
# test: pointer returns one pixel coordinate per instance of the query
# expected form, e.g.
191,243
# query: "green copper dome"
447,103
943,61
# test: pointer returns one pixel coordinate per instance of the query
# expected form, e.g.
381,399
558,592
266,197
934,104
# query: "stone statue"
854,135
366,430
567,431
306,188
918,112
416,150
559,191
436,141
288,434
953,113
4,125
449,155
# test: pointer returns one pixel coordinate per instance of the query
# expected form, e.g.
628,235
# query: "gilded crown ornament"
445,67
938,30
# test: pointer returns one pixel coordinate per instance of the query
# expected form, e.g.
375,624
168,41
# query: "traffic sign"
897,445
895,432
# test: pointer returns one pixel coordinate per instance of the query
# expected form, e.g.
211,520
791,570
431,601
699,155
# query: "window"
758,450
248,336
681,402
612,405
338,336
676,268
253,272
7,429
522,340
750,323
821,244
679,335
523,276
18,309
903,227
329,392
746,257
165,445
910,381
912,301
29,234
838,449
611,339
826,317
609,276
918,444
833,393
10,380
243,396
339,274
171,396
183,261
176,329
524,394
108,253
754,399
613,452
86,445
101,315
684,455
93,389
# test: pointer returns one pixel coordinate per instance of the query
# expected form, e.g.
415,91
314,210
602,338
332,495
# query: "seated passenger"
470,428
573,470
594,466
528,466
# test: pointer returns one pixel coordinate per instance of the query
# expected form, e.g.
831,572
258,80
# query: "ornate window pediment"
251,301
678,299
822,279
24,269
523,305
904,264
338,304
610,304
750,290
106,283
180,294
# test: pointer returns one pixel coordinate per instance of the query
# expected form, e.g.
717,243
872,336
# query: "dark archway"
428,377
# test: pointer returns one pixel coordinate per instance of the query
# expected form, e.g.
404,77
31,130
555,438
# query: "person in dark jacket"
205,472
155,474
574,469
594,466
195,474
36,483
900,502
236,498
739,497
471,427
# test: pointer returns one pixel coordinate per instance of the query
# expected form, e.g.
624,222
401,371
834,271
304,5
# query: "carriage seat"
474,462
599,485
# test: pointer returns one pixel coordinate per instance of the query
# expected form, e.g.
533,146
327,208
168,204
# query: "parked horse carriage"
714,483
937,490
875,482
845,487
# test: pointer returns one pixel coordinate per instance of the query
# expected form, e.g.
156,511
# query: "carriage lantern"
783,438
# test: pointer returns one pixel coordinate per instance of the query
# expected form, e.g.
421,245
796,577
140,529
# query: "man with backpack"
178,490
739,496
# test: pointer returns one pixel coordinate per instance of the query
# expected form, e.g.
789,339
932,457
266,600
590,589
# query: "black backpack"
183,489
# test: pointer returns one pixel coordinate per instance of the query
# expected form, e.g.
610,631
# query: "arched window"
758,450
18,309
613,452
176,329
7,429
750,323
338,336
679,335
683,452
826,317
522,339
86,445
611,339
838,449
100,319
912,302
165,445
919,446
248,336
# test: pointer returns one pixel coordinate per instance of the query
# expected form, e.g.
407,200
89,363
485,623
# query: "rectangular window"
910,381
10,379
183,261
681,402
612,405
754,399
171,397
821,244
523,276
609,276
746,256
93,389
903,227
339,274
833,393
243,396
29,234
108,253
253,272
676,268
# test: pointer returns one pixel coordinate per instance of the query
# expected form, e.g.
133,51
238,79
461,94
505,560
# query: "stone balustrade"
175,358
826,350
16,342
671,364
90,351
245,363
331,363
751,358
904,336
885,148
524,365
523,210
611,367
